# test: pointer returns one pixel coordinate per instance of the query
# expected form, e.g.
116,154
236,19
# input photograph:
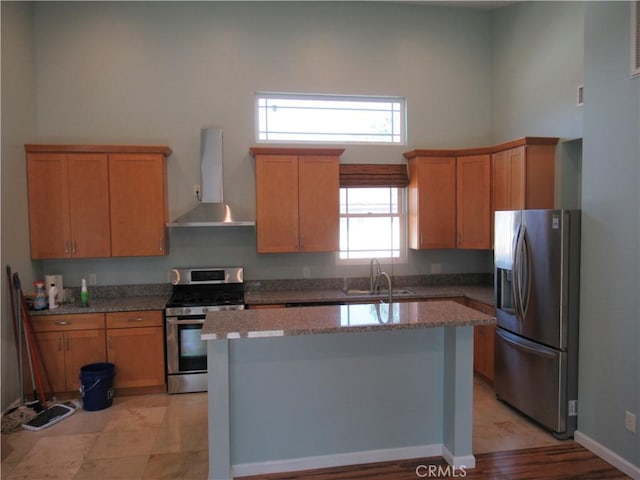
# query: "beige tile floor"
497,427
165,437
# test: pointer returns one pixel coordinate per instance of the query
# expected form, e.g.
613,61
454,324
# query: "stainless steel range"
196,291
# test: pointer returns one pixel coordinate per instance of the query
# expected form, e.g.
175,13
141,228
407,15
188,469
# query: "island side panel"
219,427
329,395
458,397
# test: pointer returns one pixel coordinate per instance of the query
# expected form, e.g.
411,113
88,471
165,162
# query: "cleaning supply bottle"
53,292
40,300
84,294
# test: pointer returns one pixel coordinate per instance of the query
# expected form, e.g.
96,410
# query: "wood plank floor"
566,461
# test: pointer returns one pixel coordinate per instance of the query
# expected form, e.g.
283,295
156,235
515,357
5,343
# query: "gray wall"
537,50
535,78
610,327
158,72
18,127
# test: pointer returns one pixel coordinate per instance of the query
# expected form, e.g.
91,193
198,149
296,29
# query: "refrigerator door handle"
525,345
515,284
525,294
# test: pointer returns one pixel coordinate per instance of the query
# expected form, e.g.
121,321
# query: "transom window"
371,224
330,118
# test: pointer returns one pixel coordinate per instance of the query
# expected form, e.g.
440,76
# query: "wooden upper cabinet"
454,192
449,202
96,200
68,205
508,179
473,202
319,203
523,176
297,199
432,202
277,203
137,190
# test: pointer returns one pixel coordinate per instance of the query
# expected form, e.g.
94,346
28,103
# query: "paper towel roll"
57,281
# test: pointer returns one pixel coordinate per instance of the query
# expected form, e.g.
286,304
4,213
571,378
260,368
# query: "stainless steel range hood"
212,211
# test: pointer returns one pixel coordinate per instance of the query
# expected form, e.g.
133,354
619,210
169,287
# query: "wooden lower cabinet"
132,341
135,345
66,343
483,342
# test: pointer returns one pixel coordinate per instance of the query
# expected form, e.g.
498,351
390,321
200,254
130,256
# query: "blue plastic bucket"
97,385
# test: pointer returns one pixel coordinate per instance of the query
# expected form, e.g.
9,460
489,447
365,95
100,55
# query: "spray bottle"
84,294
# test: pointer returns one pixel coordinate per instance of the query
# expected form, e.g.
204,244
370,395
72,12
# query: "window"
372,224
330,118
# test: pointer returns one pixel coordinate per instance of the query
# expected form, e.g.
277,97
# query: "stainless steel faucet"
386,275
373,278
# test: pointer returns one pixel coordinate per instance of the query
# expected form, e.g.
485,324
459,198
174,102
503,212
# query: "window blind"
373,175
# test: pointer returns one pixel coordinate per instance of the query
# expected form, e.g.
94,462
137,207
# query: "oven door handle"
173,321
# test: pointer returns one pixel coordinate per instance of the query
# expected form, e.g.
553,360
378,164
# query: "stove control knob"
205,309
186,311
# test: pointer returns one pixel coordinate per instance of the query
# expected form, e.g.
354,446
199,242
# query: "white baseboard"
337,460
607,455
466,462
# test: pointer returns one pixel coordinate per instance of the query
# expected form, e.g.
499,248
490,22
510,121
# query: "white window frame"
402,247
397,136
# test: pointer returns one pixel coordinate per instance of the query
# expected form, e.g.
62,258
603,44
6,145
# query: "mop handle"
30,341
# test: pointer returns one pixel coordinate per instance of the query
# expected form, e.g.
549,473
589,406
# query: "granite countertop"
480,293
317,320
121,298
105,305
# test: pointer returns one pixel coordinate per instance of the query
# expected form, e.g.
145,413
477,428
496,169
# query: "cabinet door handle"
162,244
66,247
63,322
136,319
73,247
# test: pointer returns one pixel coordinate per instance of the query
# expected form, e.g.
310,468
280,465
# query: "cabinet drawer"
481,307
57,323
143,318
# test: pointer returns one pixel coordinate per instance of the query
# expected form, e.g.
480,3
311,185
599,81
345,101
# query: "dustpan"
49,417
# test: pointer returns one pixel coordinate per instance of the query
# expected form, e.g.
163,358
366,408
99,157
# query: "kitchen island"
310,387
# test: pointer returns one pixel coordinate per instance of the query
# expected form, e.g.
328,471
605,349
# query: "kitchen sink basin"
380,293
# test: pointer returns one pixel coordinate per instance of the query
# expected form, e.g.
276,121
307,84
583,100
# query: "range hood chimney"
212,211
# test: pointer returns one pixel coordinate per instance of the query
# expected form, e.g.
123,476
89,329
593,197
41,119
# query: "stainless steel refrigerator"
537,286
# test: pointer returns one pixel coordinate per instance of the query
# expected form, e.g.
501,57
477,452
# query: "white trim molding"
338,460
463,462
607,455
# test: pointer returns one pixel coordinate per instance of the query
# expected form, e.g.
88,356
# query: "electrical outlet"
436,268
92,279
630,421
306,272
196,191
